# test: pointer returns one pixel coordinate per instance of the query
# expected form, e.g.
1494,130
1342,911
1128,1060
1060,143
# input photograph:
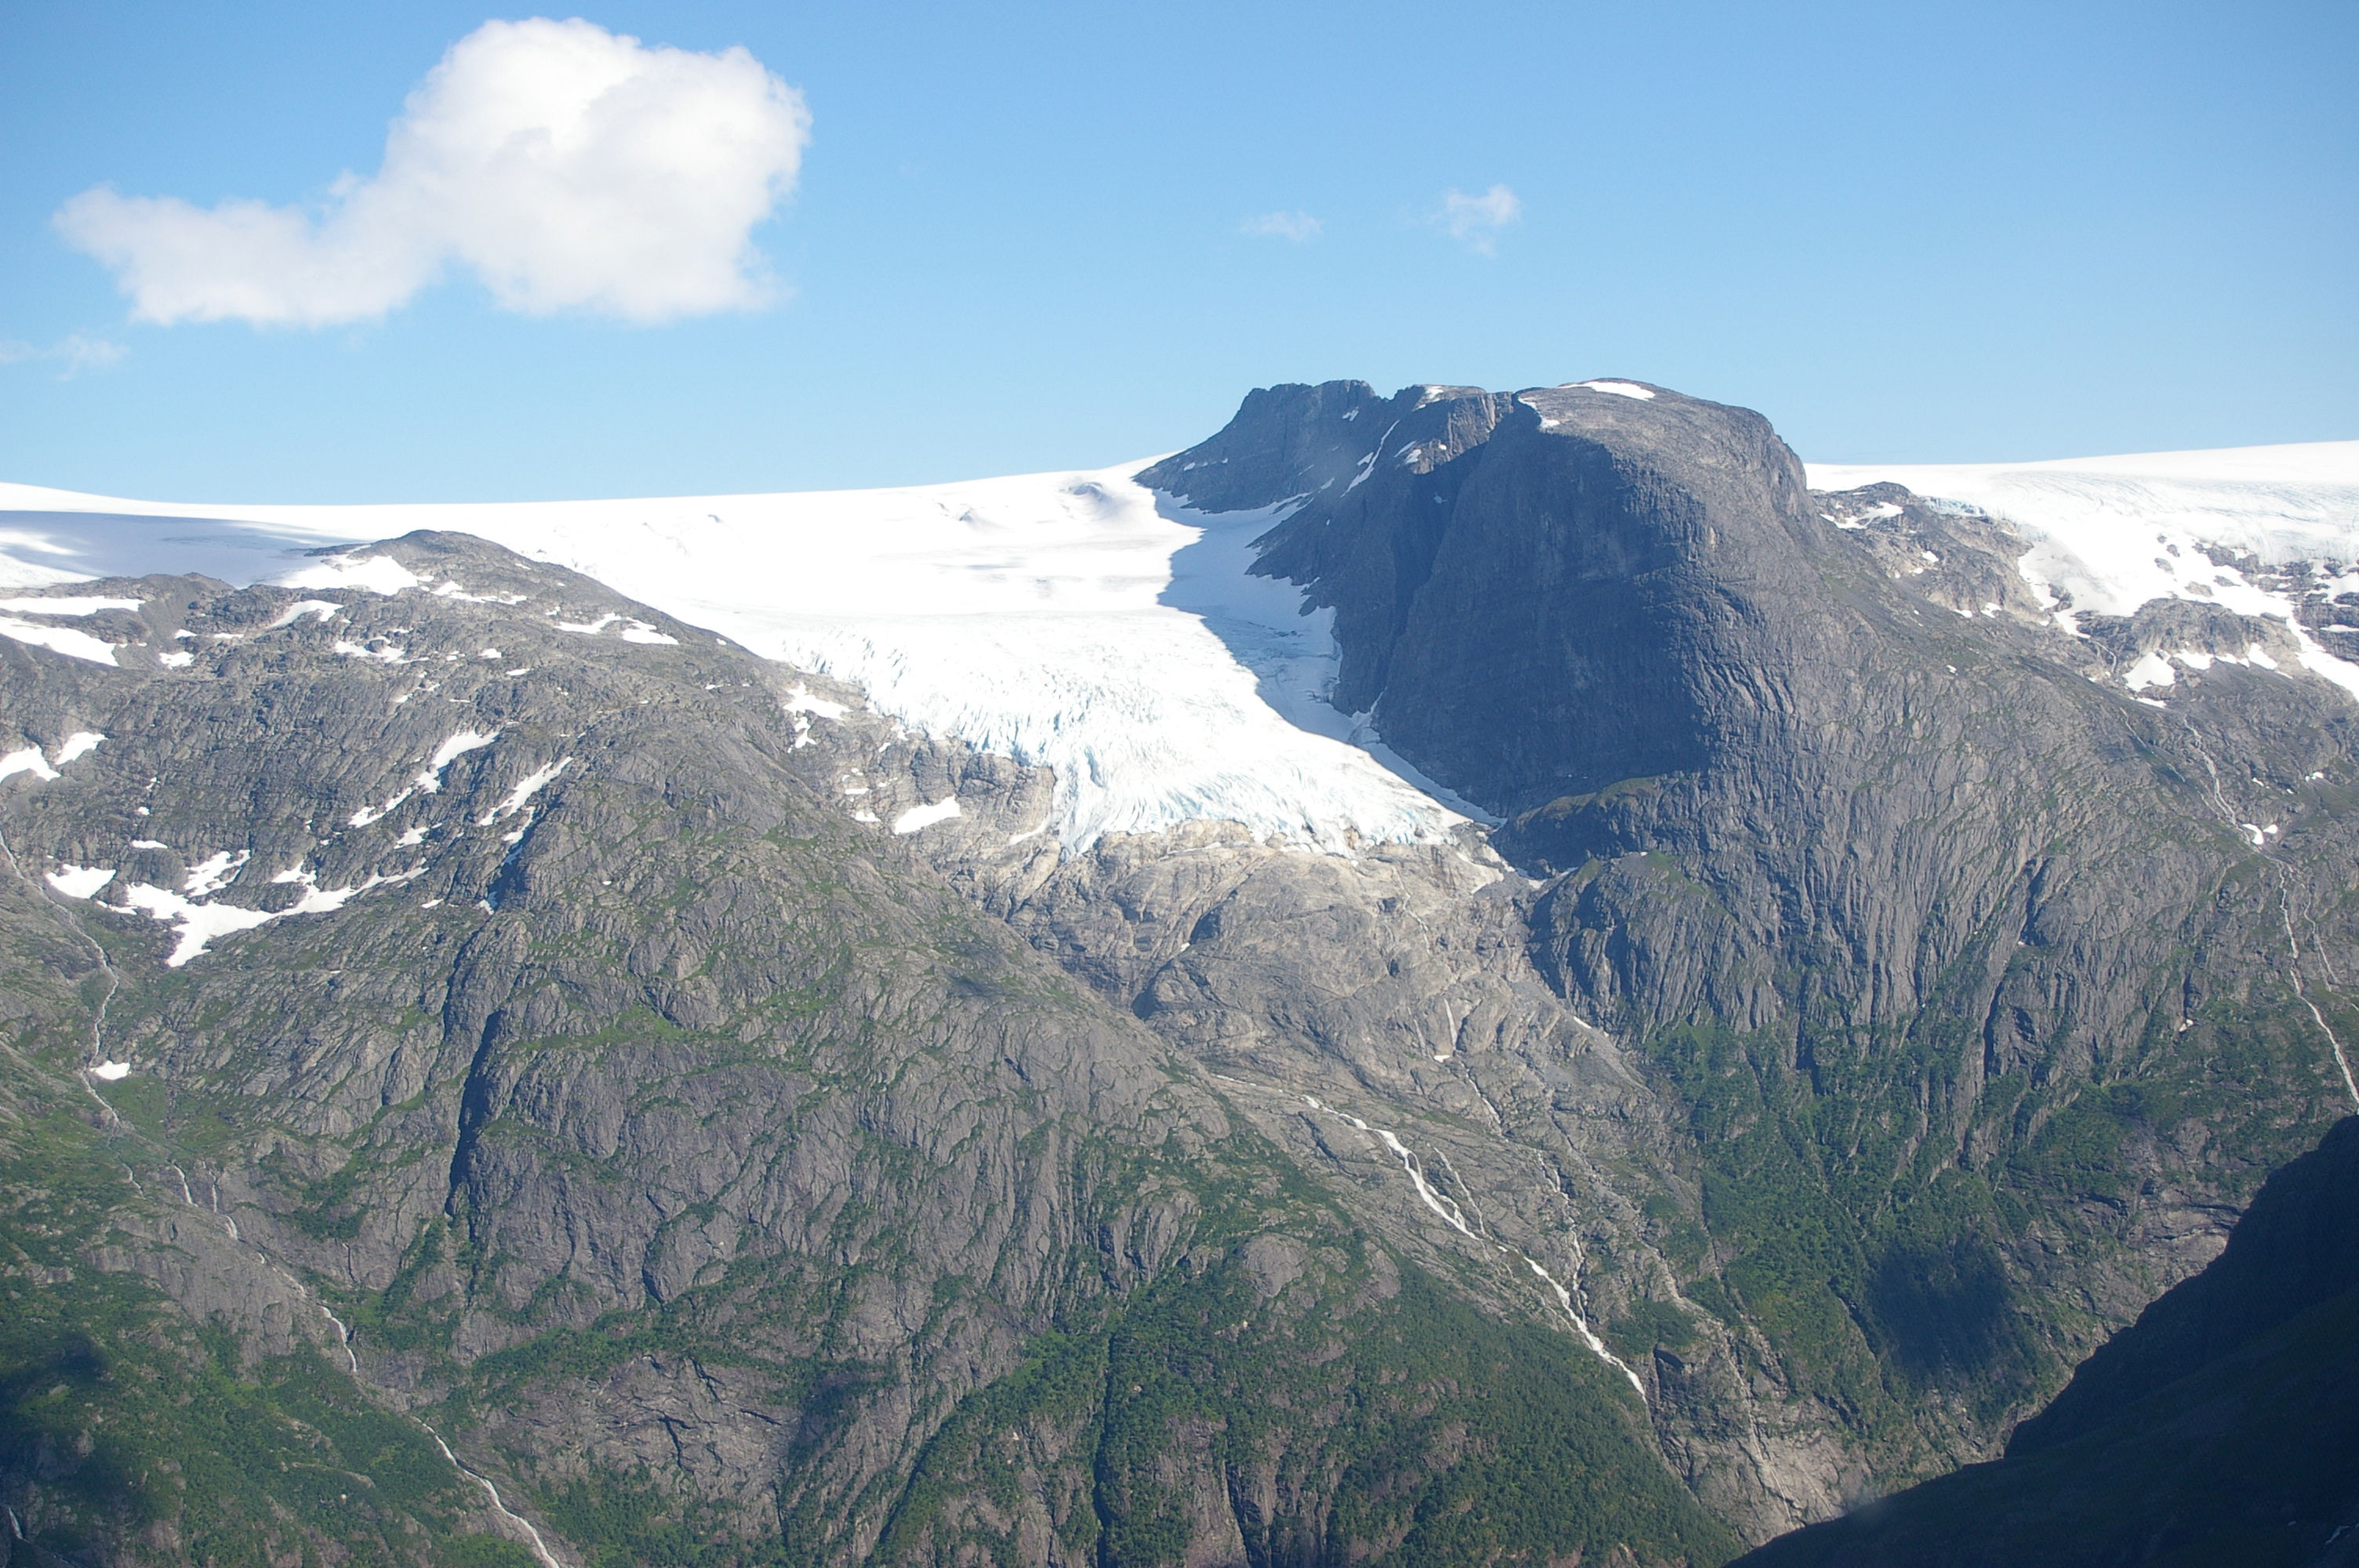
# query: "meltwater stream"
1443,1204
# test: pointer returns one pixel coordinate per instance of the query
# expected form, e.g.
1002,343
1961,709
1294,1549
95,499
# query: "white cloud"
76,353
1476,221
567,167
1294,226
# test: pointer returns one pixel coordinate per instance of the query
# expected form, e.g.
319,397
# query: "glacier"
1075,621
1080,622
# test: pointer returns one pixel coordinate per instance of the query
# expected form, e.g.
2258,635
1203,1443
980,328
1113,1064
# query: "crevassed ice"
1063,619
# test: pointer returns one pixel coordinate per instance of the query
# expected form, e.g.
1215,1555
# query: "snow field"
2117,533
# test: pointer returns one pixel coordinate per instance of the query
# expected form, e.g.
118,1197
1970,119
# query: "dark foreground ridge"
2220,1427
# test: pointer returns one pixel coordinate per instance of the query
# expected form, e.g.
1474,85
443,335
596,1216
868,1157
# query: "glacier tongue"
1071,620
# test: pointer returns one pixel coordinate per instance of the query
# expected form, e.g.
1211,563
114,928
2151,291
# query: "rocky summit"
1465,977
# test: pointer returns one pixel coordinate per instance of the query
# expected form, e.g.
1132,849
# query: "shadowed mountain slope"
2220,1427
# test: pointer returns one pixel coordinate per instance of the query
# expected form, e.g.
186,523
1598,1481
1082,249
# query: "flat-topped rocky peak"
1531,589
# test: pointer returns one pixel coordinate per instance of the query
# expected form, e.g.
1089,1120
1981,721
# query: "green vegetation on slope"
127,1427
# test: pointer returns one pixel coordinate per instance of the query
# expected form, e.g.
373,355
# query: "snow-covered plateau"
1079,621
2108,534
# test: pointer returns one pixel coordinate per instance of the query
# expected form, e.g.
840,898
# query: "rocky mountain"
1465,977
1981,980
472,1016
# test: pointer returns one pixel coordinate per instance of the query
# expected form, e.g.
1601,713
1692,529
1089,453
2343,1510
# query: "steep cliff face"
2220,1427
1545,593
495,1010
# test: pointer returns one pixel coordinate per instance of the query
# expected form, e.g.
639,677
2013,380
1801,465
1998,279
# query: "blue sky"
1017,237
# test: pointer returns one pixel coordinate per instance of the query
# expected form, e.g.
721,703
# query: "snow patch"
456,589
325,609
527,787
370,574
1620,389
67,605
80,743
66,640
79,881
197,924
368,814
2155,669
800,700
430,778
26,760
918,816
215,872
634,630
111,1072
